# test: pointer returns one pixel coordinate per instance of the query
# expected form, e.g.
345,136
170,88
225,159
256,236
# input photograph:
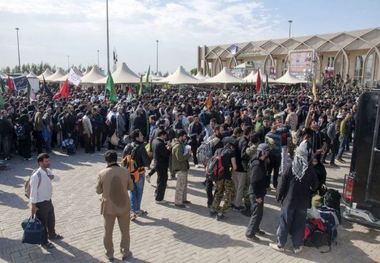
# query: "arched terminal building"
356,53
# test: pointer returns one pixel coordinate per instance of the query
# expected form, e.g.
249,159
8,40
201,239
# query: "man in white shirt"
40,198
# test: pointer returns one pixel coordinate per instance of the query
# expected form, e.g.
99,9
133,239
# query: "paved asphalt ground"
167,234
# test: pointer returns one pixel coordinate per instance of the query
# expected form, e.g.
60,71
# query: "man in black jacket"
195,130
161,156
294,193
257,190
97,122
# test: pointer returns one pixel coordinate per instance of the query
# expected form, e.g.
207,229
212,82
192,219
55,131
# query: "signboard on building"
301,63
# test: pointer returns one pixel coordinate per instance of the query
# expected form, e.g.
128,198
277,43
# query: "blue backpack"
330,222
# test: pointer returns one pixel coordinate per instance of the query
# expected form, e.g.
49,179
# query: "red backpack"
214,168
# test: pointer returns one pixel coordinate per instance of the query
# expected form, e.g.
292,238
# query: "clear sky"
52,29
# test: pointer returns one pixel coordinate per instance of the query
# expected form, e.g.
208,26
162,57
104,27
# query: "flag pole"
108,49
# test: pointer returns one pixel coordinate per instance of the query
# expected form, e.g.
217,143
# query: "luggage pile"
322,223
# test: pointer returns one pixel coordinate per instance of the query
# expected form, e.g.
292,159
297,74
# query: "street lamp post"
108,41
290,27
156,57
68,62
98,58
18,50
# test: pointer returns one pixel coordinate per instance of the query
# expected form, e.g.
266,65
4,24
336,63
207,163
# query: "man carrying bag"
40,198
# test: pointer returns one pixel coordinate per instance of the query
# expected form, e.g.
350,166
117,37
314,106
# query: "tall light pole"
156,57
68,62
98,58
108,41
290,27
18,50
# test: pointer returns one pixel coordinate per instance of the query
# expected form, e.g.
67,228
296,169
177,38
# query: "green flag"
111,89
141,86
147,76
266,86
2,85
2,102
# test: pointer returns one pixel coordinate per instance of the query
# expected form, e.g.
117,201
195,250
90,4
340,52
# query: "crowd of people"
246,144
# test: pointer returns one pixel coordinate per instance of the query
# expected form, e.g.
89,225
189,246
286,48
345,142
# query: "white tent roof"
63,78
152,77
180,76
31,75
223,77
47,73
3,75
93,75
58,74
200,77
288,79
252,77
122,75
242,65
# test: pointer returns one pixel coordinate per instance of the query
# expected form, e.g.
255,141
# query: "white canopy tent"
152,78
65,77
223,77
122,75
252,77
31,75
47,73
92,76
57,75
180,77
3,75
200,77
288,79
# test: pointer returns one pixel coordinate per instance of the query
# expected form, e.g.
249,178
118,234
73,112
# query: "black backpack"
332,200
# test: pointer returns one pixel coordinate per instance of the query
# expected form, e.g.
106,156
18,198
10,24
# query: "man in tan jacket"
114,183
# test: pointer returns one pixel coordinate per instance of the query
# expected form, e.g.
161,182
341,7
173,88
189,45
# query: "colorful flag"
73,77
258,82
11,87
2,102
265,87
46,89
2,85
63,91
111,88
141,86
147,76
208,102
21,83
32,95
314,90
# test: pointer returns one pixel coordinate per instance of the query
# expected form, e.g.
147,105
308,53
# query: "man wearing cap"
114,183
257,190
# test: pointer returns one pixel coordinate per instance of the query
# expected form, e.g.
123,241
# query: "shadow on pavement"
12,200
37,254
196,237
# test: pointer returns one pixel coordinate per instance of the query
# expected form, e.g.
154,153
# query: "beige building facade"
355,53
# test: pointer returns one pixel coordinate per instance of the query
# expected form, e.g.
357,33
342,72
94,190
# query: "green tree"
194,71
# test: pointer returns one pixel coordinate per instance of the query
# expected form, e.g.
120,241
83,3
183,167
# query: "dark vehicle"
361,191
